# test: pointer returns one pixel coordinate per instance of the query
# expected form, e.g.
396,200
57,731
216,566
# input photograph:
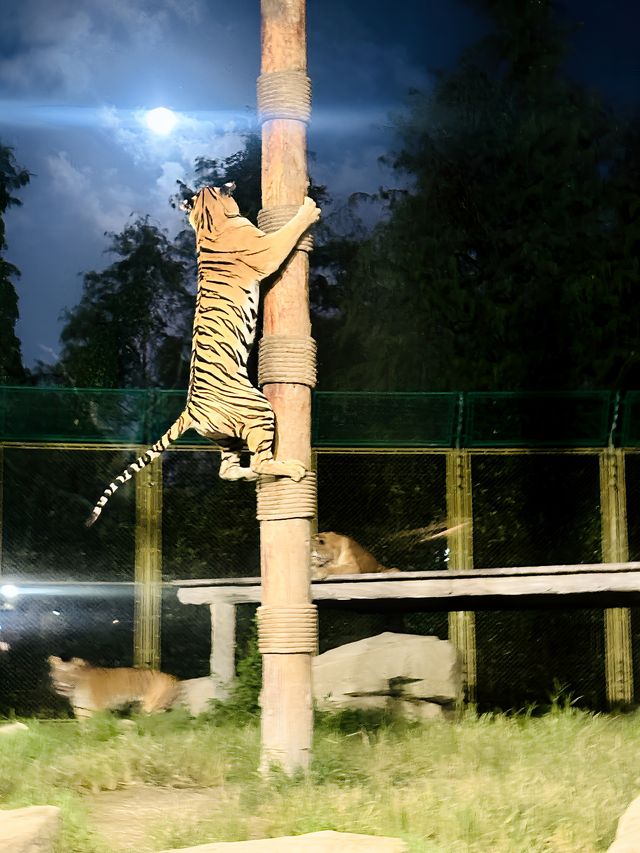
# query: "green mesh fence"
491,419
534,510
384,420
580,419
47,494
209,526
630,419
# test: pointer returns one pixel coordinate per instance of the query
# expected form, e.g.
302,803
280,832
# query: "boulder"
314,842
196,693
13,728
415,671
627,838
30,830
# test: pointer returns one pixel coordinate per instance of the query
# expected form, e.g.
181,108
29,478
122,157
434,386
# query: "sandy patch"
127,817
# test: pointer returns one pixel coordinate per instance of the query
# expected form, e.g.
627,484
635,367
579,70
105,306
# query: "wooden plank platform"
519,581
449,590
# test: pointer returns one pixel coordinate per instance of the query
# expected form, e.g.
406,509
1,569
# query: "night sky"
76,77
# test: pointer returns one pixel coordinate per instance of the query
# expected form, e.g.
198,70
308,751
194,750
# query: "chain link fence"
70,591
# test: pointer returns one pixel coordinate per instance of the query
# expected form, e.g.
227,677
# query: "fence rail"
475,419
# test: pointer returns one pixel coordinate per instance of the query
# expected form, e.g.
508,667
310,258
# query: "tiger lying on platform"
91,689
222,404
334,554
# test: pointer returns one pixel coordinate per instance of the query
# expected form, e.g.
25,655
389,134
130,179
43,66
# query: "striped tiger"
233,257
90,689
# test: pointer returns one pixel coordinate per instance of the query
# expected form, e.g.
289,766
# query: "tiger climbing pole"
287,620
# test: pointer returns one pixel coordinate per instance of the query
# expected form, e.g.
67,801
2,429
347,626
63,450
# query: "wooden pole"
286,699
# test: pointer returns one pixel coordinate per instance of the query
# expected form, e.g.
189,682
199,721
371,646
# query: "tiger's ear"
78,662
228,188
53,660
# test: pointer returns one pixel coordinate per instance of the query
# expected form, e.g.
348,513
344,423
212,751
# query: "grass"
557,782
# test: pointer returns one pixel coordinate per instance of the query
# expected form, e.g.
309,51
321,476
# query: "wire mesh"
529,508
531,657
535,509
91,621
209,525
391,503
47,495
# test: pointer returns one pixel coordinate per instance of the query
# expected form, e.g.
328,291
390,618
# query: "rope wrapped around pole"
280,498
272,218
288,630
287,359
284,94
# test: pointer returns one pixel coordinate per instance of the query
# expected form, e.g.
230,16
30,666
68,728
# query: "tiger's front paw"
311,210
289,468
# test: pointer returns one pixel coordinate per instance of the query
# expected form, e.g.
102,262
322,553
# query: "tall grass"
493,783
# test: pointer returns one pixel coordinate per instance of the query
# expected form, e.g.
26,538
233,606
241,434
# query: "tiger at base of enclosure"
90,689
233,256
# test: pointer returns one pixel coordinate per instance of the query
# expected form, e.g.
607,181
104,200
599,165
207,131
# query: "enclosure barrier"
518,479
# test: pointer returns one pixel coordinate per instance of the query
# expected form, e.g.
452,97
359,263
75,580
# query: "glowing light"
9,590
160,121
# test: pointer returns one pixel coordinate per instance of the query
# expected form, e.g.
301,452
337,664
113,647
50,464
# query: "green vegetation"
12,178
501,783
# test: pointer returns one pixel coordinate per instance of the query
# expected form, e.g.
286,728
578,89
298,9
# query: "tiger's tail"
172,434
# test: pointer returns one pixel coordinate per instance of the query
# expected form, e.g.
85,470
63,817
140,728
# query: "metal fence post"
615,548
148,566
462,623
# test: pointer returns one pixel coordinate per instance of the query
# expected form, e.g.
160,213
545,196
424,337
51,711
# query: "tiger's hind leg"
230,467
260,443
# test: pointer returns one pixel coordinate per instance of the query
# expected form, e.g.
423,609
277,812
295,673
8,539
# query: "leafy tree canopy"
497,269
12,178
129,328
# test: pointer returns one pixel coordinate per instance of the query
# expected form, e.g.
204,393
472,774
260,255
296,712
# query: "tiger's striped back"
233,258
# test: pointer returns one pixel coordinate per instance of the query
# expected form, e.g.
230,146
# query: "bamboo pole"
615,548
286,698
462,623
148,567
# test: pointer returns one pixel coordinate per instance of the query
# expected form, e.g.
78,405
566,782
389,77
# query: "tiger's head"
65,675
212,206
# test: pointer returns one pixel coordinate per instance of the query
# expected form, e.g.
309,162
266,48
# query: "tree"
12,178
624,257
495,269
131,327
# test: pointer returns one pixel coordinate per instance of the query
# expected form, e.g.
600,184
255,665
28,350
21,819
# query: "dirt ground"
126,817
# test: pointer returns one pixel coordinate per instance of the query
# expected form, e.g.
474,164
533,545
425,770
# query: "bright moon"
160,121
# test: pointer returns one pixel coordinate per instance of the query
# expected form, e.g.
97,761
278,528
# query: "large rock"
30,830
412,670
13,728
314,842
627,838
196,693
